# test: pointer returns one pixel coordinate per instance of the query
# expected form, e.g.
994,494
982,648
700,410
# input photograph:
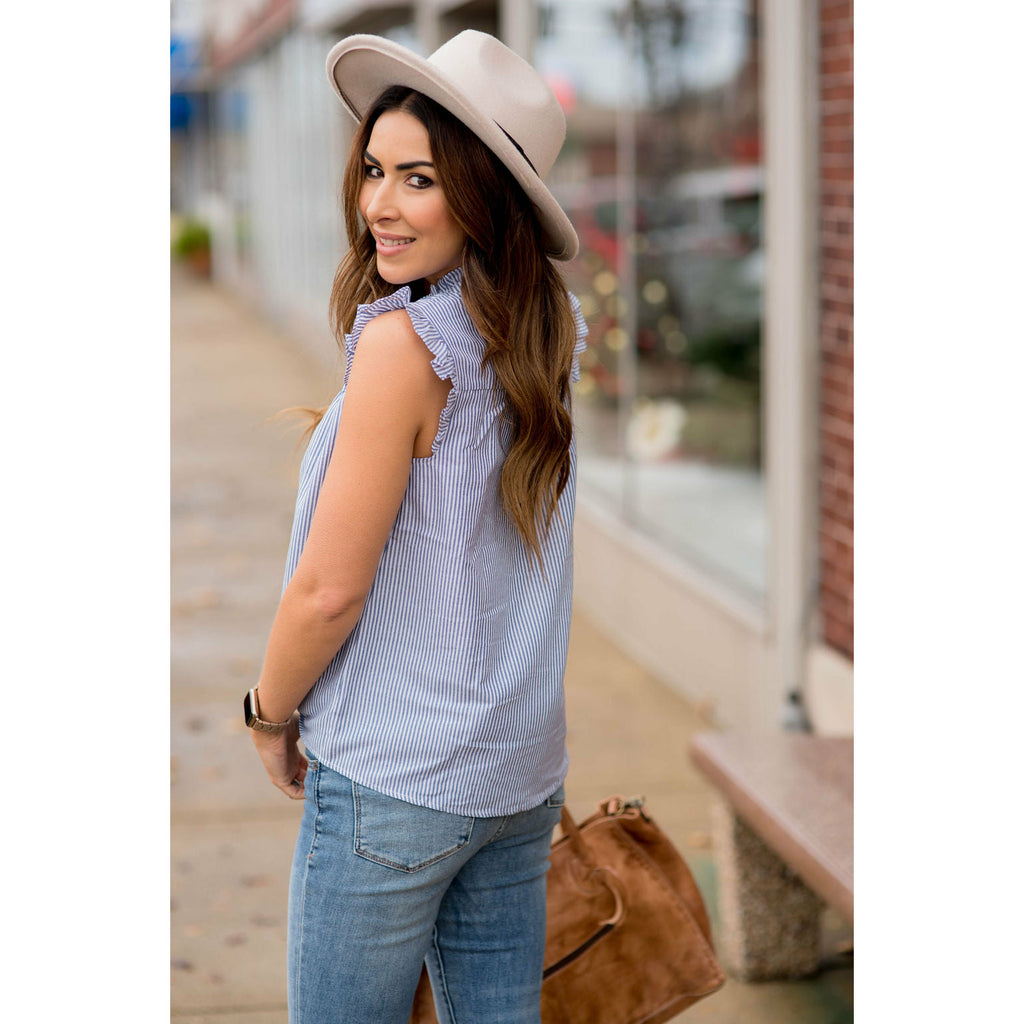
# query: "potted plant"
193,246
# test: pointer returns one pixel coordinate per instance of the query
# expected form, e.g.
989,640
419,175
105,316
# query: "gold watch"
251,705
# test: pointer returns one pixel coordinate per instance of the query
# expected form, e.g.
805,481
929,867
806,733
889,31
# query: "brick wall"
836,313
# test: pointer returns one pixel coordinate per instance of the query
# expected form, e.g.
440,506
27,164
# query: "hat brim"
361,67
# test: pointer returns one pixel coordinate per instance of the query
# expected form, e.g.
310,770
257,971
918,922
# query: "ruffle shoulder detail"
425,314
581,337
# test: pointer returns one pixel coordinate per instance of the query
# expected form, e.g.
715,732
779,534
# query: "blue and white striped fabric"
448,692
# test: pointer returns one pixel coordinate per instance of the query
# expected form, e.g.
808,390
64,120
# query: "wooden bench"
783,833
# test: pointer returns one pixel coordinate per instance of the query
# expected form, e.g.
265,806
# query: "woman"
420,643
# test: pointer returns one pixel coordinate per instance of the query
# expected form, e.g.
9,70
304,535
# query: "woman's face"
403,205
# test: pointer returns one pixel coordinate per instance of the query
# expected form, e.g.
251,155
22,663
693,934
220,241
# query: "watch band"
251,706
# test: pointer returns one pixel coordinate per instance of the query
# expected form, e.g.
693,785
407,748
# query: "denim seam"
501,828
442,977
316,820
302,901
383,861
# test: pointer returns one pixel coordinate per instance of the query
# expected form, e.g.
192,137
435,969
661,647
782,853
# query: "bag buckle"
616,806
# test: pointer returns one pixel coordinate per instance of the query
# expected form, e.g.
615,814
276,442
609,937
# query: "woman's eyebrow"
398,167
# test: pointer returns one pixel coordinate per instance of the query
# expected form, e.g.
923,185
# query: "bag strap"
572,833
579,847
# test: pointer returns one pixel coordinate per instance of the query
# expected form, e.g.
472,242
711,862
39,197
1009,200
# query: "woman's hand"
280,755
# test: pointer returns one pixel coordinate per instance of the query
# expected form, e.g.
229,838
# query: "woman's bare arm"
392,405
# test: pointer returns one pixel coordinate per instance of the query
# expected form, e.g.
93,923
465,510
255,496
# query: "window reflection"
661,175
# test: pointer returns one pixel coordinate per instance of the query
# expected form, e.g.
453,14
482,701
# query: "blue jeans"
379,886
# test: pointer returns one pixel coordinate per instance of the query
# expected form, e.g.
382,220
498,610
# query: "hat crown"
505,88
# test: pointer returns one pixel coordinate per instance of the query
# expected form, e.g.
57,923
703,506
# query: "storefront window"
661,174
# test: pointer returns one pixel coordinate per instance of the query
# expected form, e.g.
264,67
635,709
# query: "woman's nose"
380,202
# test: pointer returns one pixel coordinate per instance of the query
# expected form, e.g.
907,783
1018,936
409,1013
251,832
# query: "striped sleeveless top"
448,693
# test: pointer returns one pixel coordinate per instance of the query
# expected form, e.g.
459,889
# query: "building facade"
708,170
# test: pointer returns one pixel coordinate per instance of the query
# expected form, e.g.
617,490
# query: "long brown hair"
515,296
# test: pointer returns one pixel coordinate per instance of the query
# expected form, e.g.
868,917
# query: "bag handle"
579,845
571,831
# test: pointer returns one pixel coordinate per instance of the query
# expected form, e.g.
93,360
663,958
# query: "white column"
626,362
517,26
427,21
789,92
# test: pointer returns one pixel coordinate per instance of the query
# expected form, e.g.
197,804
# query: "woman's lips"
391,245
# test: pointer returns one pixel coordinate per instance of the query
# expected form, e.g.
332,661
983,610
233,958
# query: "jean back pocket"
404,836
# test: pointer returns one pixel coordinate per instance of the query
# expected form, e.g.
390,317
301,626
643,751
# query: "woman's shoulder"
400,330
391,332
391,345
367,312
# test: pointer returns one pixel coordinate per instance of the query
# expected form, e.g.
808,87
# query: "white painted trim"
829,692
673,568
789,69
660,615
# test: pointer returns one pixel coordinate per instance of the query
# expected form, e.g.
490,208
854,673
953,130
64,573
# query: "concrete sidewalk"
234,470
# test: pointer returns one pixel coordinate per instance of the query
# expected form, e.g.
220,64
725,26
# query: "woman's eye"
371,171
419,181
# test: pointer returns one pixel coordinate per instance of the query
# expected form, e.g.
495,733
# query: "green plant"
194,237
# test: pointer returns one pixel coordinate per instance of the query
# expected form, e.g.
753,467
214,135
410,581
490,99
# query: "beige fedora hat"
488,87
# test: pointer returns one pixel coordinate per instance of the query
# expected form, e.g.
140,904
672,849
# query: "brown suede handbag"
628,936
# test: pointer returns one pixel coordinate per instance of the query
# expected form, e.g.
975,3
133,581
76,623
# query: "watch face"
250,716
